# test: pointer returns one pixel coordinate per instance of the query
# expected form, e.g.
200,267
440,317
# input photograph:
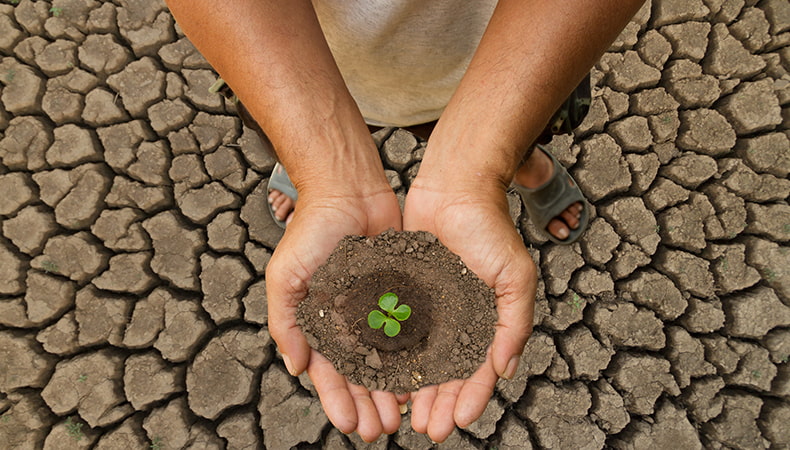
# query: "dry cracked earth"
134,241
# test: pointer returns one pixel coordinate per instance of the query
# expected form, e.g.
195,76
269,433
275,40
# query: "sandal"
549,200
279,181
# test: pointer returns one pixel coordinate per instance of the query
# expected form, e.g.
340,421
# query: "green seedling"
156,444
82,378
74,429
56,11
576,303
395,314
49,266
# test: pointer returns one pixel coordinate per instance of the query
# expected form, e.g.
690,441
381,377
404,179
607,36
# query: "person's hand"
322,217
473,222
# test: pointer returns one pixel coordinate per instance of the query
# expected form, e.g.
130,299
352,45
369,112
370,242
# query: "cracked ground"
134,238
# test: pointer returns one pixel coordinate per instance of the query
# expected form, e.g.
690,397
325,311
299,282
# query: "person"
493,73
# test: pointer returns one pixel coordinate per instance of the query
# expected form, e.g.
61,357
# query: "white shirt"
402,60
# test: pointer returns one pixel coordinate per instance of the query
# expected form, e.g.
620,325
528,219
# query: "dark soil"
446,337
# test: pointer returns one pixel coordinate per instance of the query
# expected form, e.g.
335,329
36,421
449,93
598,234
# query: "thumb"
515,308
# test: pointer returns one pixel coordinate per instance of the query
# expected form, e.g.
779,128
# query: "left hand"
472,220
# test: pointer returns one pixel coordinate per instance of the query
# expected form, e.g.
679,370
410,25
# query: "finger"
288,336
369,424
422,402
333,391
441,422
387,407
474,395
515,308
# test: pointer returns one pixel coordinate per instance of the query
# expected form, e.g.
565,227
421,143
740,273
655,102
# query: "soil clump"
446,337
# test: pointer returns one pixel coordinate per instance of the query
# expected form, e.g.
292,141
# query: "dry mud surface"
134,240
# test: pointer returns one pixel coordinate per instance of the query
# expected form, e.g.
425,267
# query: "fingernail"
289,366
512,366
404,408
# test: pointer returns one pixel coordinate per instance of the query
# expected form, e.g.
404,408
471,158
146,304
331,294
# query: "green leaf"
391,327
388,301
402,312
376,319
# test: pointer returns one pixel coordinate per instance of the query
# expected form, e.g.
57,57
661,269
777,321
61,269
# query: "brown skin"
275,57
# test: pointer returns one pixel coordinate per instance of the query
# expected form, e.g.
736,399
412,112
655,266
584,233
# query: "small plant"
74,429
82,378
785,358
769,274
56,12
49,266
156,444
576,303
14,2
5,418
10,74
395,315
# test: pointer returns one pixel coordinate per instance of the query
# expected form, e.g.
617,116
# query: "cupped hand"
320,220
473,221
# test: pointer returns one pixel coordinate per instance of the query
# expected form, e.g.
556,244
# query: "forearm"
274,56
532,55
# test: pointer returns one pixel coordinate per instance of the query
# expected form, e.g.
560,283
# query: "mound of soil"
446,337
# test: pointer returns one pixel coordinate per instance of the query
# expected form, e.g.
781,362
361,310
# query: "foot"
282,205
534,173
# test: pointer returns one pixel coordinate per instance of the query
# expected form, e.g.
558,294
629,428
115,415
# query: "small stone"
101,109
689,39
753,314
602,169
599,242
176,250
627,73
668,428
705,131
203,204
26,365
687,356
641,379
91,384
103,55
676,11
258,256
752,107
18,191
223,280
60,338
73,146
703,316
729,267
558,264
30,229
128,273
736,427
623,324
752,29
287,417
397,149
770,221
77,256
701,399
665,193
766,153
631,133
170,115
608,408
120,230
690,170
148,379
655,291
147,319
689,272
728,58
185,328
585,355
633,222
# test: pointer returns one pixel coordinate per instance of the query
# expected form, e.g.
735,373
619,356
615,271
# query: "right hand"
322,217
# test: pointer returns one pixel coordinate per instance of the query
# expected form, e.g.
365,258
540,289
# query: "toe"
558,229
